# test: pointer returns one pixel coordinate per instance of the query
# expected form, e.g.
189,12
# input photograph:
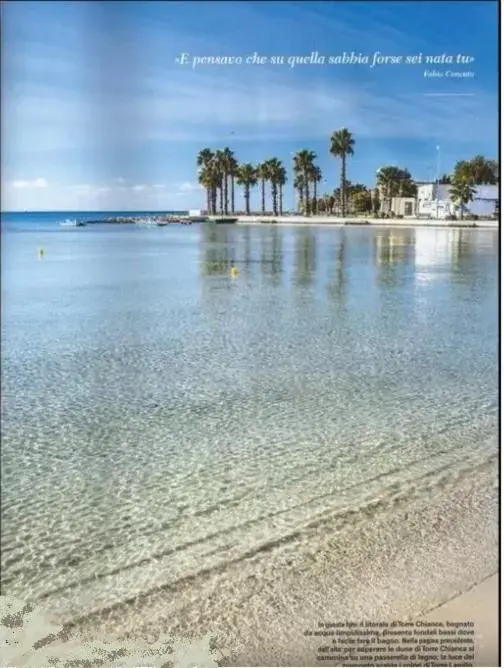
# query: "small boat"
72,223
224,221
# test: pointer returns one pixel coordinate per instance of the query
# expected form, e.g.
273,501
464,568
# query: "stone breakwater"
142,220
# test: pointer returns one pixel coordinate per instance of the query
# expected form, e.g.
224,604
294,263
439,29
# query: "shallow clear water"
161,418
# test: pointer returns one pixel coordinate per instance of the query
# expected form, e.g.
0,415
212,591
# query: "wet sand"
481,605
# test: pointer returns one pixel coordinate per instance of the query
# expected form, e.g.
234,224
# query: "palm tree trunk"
315,196
232,194
226,200
300,199
221,197
307,195
343,185
208,196
280,197
263,195
247,199
274,195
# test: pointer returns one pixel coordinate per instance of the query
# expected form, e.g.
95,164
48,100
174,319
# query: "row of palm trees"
219,173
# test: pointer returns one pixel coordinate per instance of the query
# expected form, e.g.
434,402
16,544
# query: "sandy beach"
479,604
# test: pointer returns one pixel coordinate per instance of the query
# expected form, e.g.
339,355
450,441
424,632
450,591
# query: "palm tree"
342,145
274,169
299,186
220,162
233,168
227,164
385,179
205,157
264,176
395,182
246,176
209,175
462,193
303,166
315,177
282,180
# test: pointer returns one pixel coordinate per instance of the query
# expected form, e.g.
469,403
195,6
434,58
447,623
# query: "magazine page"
250,332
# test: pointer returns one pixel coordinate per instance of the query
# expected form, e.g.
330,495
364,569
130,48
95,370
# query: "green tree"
299,186
227,164
281,179
315,178
264,177
341,146
362,201
275,172
204,161
461,193
246,176
233,170
220,160
478,171
303,166
395,182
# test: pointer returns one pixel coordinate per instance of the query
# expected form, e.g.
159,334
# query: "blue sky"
97,114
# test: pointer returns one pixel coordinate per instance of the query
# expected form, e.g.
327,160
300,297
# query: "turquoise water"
162,419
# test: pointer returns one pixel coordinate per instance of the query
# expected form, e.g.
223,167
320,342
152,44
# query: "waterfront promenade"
382,222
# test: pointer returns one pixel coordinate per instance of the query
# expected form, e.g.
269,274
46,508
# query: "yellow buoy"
234,272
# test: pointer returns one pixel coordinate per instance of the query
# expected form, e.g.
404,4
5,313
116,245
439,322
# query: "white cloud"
187,186
111,196
273,106
28,185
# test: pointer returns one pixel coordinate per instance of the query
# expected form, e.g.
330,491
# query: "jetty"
161,220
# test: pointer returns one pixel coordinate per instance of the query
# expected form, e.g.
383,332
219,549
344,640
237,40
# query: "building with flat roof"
485,202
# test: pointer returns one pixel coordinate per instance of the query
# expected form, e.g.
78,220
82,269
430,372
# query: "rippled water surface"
161,418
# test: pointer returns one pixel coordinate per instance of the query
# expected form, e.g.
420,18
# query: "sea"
183,448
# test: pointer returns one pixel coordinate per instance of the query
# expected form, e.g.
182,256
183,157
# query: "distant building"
403,206
485,202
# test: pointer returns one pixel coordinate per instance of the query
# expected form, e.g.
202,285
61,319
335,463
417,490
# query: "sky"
101,111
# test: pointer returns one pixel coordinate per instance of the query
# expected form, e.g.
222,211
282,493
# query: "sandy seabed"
394,558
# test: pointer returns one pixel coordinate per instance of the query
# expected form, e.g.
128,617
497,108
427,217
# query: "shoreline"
479,604
334,221
336,571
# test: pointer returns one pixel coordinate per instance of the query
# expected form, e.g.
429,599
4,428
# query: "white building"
439,204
